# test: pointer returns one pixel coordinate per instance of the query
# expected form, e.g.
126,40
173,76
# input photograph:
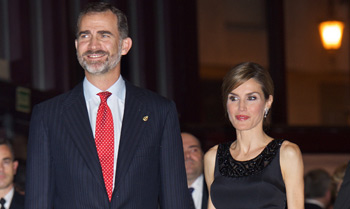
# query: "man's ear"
15,166
127,43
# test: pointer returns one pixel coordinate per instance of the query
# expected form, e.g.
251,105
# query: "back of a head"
317,183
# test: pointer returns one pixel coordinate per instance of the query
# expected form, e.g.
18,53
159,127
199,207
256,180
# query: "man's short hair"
317,183
98,7
4,141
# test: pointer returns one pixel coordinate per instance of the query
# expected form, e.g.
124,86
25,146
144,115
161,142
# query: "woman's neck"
249,144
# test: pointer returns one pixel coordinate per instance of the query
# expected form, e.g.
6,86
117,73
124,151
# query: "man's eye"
105,35
83,36
6,162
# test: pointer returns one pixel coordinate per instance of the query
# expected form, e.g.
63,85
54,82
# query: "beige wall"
328,162
318,99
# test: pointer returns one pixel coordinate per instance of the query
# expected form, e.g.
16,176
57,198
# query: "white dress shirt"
197,193
8,198
116,103
315,202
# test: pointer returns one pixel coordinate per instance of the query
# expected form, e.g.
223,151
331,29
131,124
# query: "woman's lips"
242,117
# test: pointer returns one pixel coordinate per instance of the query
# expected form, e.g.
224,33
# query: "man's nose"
94,43
187,154
1,166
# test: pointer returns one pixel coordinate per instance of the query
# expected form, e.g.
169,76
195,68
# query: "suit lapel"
131,132
17,201
78,123
205,195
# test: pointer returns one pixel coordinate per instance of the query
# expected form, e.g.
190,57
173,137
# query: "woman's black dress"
256,183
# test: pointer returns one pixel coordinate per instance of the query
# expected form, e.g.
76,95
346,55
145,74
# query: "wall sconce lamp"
331,32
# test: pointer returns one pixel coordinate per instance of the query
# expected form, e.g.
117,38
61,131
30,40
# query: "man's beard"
100,67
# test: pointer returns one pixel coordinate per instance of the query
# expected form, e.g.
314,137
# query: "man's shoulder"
69,96
144,94
17,201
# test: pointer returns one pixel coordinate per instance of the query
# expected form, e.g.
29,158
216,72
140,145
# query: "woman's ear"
269,102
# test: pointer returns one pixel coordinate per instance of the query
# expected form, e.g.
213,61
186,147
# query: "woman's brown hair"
242,73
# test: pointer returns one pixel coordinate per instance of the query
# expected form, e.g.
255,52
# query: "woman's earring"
266,112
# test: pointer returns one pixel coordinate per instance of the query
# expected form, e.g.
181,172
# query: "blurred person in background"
193,155
338,176
318,189
342,200
9,197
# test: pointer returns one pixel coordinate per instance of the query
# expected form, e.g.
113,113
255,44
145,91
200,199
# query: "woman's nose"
242,105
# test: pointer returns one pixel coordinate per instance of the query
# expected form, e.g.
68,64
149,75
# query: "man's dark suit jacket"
311,206
343,198
205,195
17,201
63,169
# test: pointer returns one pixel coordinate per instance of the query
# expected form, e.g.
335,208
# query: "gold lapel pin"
145,118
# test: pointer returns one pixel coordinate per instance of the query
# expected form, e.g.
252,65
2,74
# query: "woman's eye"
233,98
251,98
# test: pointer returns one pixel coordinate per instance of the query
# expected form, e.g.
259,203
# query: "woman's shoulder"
212,150
210,155
289,150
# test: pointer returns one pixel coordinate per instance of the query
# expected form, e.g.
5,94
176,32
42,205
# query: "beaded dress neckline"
229,167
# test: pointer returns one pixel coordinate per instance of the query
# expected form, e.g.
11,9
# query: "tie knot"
104,95
190,190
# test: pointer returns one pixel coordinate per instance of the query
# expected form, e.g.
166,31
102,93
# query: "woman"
254,171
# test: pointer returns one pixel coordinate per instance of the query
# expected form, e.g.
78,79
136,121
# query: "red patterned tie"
104,139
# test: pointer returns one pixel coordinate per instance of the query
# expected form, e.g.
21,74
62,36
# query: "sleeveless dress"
256,183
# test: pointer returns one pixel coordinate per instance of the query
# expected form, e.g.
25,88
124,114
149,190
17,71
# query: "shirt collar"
315,202
117,89
198,183
8,197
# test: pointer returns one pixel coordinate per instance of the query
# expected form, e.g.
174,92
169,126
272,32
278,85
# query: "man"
318,189
193,154
342,200
9,197
106,143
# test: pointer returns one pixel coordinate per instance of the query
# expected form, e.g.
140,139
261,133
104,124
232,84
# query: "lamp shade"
331,34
